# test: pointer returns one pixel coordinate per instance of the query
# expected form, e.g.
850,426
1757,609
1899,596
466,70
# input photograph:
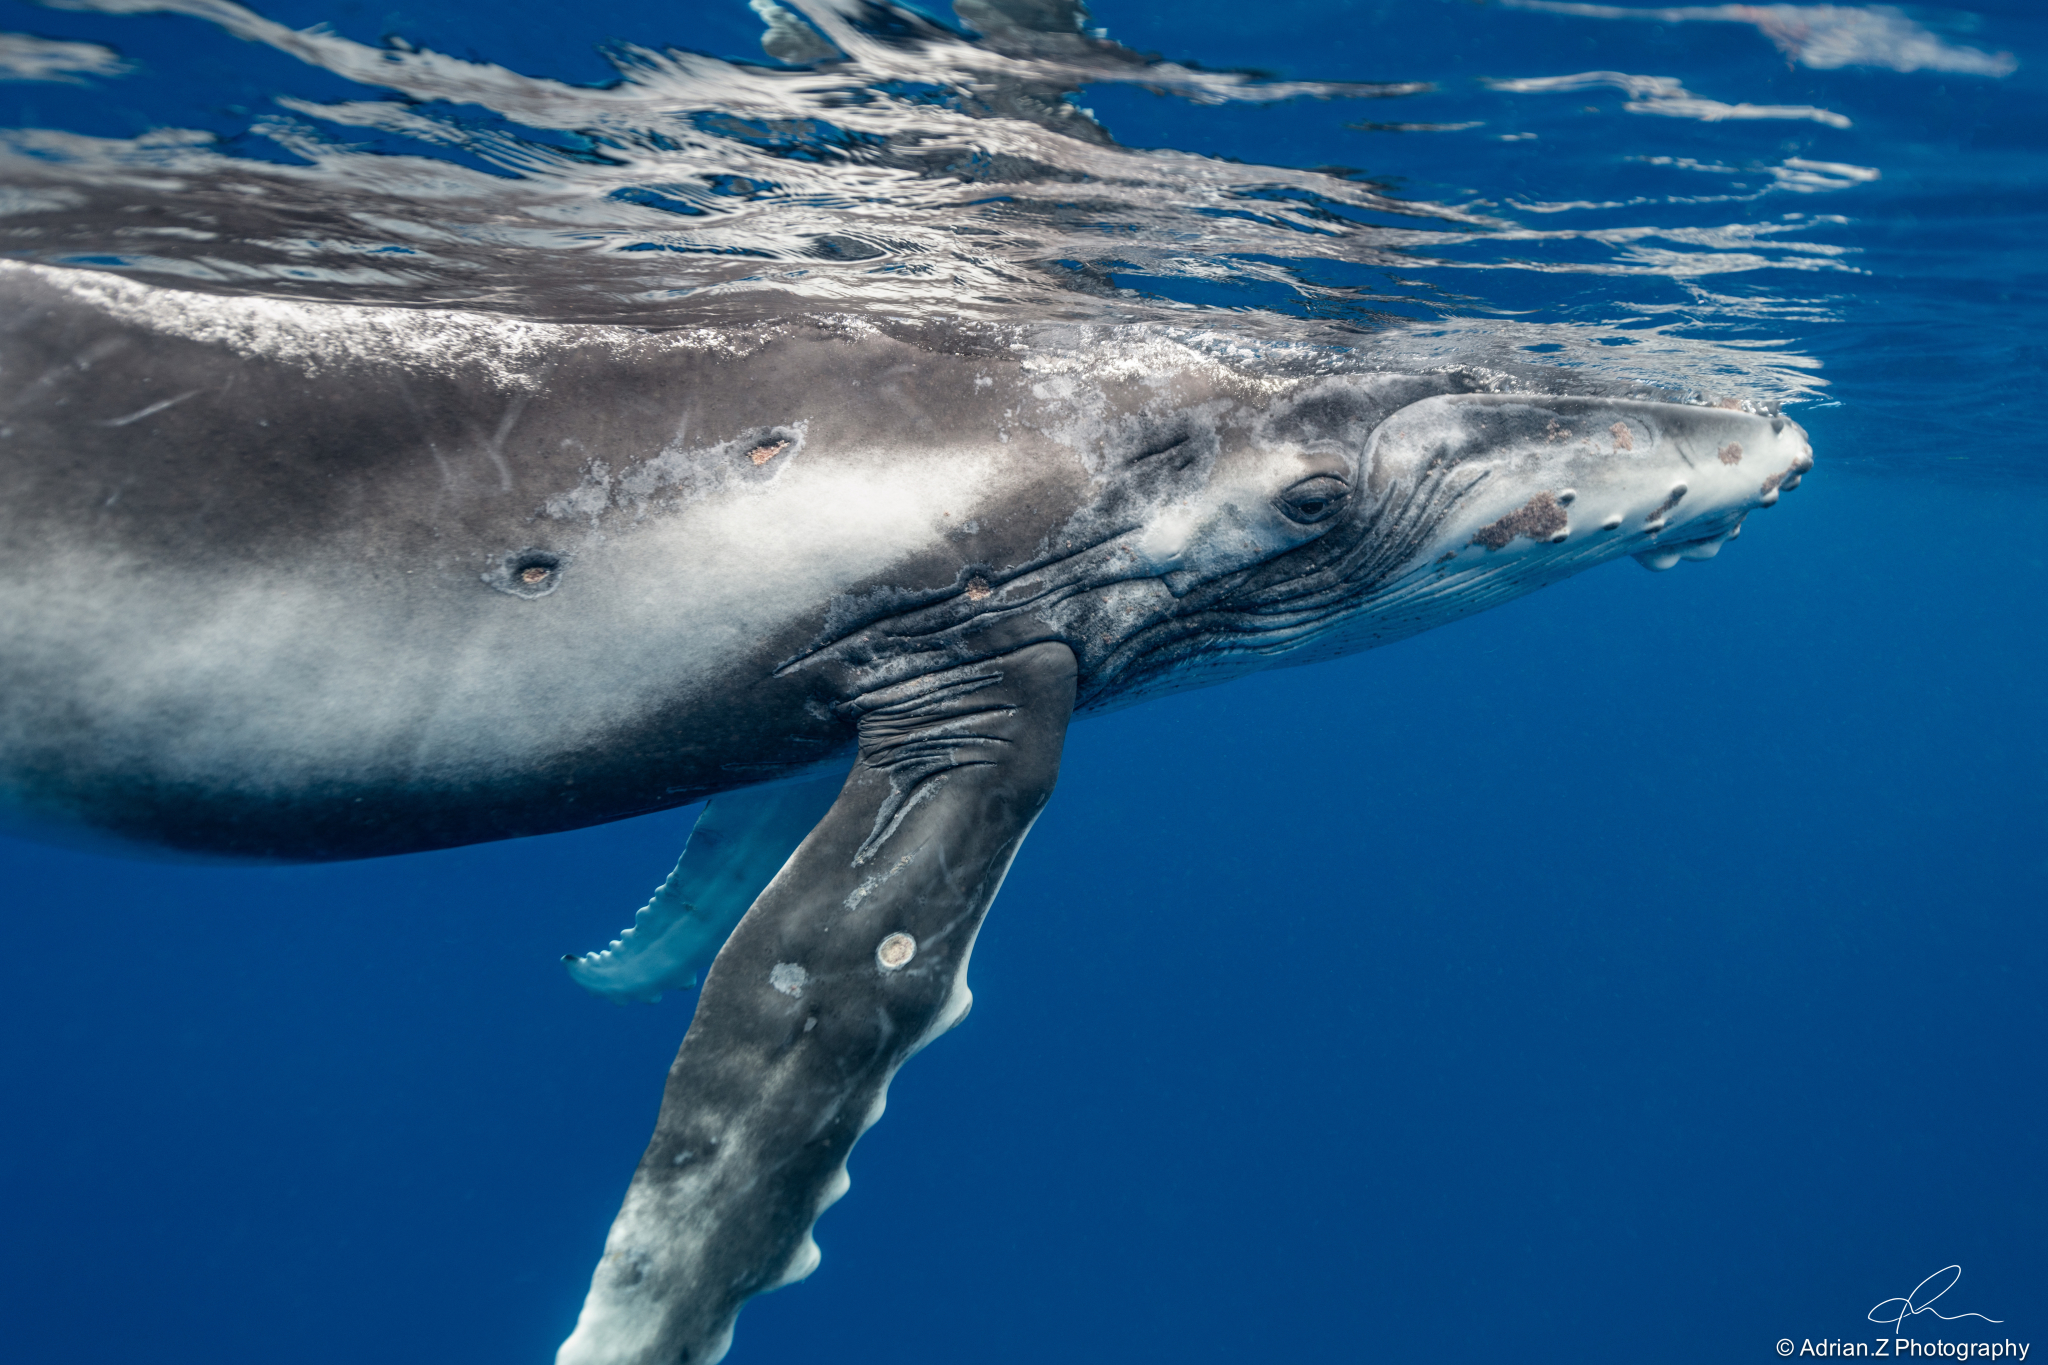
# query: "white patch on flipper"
738,845
657,1231
788,978
869,885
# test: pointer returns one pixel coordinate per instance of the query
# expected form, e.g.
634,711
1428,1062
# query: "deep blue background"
1649,969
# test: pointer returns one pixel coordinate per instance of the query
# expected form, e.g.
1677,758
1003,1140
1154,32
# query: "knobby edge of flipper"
852,959
739,842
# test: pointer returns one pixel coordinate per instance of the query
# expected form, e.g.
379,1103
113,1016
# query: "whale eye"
1315,499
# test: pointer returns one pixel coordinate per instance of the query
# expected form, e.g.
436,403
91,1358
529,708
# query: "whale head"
1254,524
1339,525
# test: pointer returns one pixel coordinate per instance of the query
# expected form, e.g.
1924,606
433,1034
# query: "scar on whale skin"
766,451
528,573
1540,518
895,951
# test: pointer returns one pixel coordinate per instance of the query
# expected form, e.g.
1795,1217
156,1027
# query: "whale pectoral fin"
740,841
851,960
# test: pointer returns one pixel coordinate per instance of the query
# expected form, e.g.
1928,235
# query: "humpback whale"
302,581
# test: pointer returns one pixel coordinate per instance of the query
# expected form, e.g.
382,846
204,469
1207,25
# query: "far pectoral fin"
853,958
739,842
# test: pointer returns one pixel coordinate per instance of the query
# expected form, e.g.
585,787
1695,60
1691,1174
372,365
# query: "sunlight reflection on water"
882,161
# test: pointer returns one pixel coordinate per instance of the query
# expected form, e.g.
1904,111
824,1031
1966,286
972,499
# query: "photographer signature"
1915,1303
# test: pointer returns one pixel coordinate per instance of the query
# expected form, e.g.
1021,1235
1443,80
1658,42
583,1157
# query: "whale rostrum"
305,581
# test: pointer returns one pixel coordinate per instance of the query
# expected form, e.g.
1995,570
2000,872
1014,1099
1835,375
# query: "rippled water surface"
1647,970
1413,183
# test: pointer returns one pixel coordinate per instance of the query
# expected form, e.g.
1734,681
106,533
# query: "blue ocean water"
1647,969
